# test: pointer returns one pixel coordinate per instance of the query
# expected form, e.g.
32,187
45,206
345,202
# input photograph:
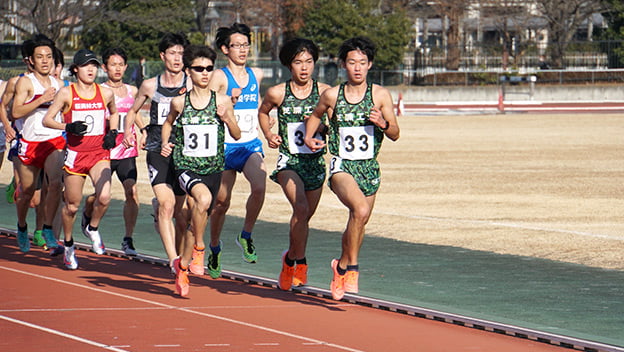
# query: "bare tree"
510,19
452,11
58,19
564,17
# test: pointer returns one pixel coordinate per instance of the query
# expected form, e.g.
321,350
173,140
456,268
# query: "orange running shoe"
181,281
286,275
301,275
197,264
337,284
351,281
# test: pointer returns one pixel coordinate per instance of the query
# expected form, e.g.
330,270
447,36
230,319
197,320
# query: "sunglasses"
202,68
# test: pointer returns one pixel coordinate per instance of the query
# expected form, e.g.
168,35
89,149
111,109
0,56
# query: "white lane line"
216,345
266,344
186,310
63,334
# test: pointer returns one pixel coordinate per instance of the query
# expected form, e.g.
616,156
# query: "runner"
161,90
123,160
361,114
198,151
244,155
300,172
84,105
40,148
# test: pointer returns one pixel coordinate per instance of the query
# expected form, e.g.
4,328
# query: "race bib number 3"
357,143
94,120
296,134
200,140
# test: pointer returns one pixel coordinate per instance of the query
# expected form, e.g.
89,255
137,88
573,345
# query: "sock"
47,227
69,243
353,267
22,229
91,228
216,250
246,235
126,239
198,249
289,262
301,261
341,271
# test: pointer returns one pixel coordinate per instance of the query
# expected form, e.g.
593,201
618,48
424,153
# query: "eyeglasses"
239,46
202,68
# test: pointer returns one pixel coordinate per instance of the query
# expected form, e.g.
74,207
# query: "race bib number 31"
200,140
357,143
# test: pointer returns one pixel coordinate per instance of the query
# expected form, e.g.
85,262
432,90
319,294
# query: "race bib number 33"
200,140
357,143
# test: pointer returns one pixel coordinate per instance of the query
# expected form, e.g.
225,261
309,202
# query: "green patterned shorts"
310,169
365,172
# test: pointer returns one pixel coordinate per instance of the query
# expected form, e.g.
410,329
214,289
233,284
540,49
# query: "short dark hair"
224,33
114,51
192,52
293,47
171,39
59,57
27,48
42,40
361,43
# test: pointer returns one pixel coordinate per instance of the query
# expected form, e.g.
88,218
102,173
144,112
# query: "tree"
60,20
328,23
510,18
137,26
564,18
453,11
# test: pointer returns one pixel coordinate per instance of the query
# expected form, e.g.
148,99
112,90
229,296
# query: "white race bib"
122,121
94,120
200,140
357,143
246,119
163,111
296,134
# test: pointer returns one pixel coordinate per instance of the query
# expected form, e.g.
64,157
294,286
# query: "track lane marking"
62,334
186,310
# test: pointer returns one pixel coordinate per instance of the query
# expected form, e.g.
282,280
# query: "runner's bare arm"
273,97
176,107
23,92
312,123
144,93
382,113
227,115
61,101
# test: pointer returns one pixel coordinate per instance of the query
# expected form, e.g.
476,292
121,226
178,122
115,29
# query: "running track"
114,304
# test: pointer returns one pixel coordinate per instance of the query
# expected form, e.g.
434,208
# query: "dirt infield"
538,185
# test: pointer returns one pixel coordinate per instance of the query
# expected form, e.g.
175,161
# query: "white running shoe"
96,240
70,258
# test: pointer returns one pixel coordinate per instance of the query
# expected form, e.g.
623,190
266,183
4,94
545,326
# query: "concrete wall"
550,93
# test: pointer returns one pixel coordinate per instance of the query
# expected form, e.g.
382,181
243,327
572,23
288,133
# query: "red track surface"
113,304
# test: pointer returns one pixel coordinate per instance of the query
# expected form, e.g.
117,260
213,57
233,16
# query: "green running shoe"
214,264
249,251
38,238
